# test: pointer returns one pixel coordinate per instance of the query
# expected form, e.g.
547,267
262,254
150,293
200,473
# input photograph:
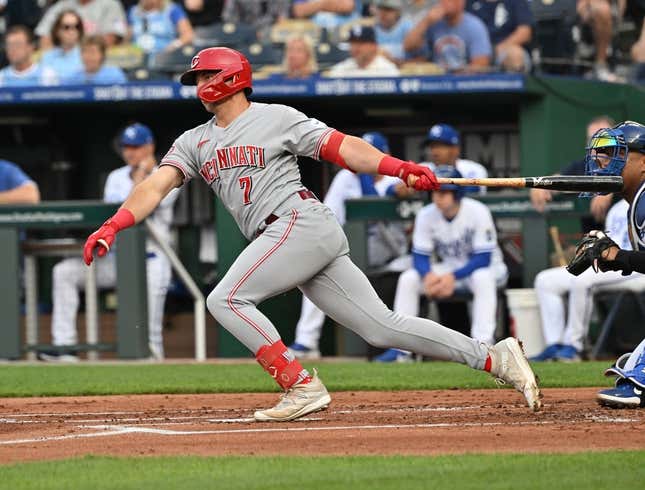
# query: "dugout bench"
567,209
131,273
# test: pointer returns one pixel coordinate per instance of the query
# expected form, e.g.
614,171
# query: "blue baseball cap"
136,135
443,133
377,140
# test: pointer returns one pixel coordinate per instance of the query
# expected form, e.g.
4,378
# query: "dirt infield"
412,422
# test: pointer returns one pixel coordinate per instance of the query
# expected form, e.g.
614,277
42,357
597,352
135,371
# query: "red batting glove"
427,180
105,235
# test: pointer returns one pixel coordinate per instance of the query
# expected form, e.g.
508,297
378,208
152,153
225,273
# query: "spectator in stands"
203,12
299,57
509,24
15,186
66,34
600,203
103,17
441,147
597,14
365,60
328,14
415,10
22,71
94,70
159,25
458,41
391,29
260,15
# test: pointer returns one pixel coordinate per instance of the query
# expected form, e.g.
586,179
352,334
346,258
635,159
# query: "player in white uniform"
442,148
385,242
137,144
247,154
459,231
565,339
621,151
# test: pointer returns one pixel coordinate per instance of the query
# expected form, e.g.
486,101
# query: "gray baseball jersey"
251,166
252,163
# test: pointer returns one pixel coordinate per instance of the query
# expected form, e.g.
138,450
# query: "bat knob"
104,244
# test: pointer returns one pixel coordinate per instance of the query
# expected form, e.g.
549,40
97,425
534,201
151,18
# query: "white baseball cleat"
299,400
509,365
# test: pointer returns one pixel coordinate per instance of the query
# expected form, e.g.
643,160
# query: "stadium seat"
176,61
413,68
328,54
144,74
224,34
553,44
262,54
282,30
126,56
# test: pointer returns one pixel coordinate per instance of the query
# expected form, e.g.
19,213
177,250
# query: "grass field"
589,470
69,380
584,471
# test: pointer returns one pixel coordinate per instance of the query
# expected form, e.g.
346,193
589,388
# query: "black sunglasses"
69,27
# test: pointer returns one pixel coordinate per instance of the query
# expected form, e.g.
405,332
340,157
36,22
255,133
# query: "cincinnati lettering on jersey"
231,157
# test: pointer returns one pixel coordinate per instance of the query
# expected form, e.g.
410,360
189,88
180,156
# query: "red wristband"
390,166
123,218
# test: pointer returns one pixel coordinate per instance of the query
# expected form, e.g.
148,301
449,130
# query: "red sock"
489,364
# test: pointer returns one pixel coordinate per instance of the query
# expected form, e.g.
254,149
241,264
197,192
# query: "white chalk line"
115,430
11,419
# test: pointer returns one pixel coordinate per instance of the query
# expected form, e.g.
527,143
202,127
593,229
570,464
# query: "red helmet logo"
233,73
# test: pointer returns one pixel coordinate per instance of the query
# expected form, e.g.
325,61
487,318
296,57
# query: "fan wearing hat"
391,29
441,147
137,147
364,60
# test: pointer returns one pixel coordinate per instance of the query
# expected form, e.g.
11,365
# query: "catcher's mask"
606,154
234,73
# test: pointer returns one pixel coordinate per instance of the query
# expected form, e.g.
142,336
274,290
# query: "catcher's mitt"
589,253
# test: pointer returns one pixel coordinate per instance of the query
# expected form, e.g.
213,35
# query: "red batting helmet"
234,73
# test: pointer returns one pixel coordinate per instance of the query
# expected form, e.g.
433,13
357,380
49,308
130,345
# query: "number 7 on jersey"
246,184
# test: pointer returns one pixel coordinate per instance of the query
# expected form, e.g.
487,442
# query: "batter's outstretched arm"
361,157
141,202
147,195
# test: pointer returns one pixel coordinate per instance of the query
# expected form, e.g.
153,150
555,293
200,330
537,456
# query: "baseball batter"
247,154
137,146
621,151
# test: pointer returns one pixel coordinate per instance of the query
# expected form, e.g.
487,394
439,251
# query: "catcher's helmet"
377,140
608,148
234,73
450,172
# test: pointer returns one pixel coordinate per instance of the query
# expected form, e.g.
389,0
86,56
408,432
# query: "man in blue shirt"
22,71
15,186
94,70
391,29
509,24
458,40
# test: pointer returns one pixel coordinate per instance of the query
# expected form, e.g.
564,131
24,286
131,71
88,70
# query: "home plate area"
402,422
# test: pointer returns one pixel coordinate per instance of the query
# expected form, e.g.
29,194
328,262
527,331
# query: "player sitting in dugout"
459,231
619,151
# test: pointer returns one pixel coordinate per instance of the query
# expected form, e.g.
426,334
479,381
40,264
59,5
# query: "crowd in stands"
50,42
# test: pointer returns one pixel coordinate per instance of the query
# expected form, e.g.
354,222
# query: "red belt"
304,194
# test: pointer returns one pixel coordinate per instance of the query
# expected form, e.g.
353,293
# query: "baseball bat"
566,183
555,238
